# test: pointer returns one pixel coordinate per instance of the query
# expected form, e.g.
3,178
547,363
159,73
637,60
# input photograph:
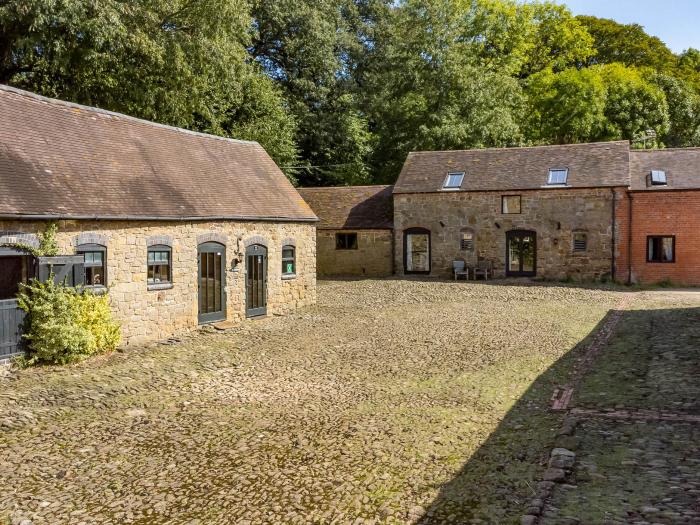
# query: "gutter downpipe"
629,242
614,226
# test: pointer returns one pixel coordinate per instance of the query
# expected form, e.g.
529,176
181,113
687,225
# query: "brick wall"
664,213
156,314
555,214
373,257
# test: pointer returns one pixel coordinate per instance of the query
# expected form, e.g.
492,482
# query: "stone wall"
150,314
554,214
373,257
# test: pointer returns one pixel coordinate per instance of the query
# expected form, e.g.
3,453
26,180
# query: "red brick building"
659,218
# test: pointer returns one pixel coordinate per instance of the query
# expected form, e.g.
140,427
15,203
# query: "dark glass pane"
217,282
10,276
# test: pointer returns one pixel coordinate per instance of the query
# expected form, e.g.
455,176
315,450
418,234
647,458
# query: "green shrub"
64,324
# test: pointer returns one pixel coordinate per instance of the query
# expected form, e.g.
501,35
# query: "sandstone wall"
555,214
373,257
152,314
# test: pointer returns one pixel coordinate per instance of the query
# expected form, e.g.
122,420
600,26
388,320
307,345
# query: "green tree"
435,85
684,112
316,51
633,104
179,62
628,44
566,107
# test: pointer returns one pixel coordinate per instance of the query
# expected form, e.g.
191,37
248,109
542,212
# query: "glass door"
212,282
256,280
521,253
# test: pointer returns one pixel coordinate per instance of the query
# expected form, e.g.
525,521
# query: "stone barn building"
355,234
581,212
540,211
180,228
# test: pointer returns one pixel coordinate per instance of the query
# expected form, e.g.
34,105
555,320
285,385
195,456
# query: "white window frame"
459,174
558,170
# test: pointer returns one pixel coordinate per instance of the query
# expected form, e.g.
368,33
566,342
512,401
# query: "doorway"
521,253
256,280
416,251
212,282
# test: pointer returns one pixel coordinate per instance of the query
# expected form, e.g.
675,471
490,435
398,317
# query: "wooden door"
256,280
212,282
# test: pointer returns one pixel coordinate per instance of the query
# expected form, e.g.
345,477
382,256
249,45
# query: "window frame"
585,242
293,258
339,235
673,249
159,248
83,249
520,205
663,182
450,174
463,246
566,177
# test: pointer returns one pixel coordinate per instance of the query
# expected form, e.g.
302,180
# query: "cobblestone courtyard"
388,402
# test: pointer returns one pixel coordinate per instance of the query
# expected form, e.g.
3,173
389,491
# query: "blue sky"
676,22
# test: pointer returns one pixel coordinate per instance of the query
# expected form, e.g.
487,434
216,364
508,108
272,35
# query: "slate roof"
505,169
352,207
64,160
682,167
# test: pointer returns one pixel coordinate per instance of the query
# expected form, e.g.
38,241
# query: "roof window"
558,176
453,181
658,178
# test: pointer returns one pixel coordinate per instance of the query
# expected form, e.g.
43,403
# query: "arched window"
289,262
95,256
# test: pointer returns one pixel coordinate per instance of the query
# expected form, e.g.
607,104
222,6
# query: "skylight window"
658,178
557,177
453,181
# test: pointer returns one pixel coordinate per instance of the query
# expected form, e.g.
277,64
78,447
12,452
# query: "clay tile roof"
64,160
499,169
352,207
682,167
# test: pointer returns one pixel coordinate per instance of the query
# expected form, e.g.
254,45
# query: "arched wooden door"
256,280
212,282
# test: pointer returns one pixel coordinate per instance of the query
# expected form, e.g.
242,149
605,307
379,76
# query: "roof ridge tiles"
106,112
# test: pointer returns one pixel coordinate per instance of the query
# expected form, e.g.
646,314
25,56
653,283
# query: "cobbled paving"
393,401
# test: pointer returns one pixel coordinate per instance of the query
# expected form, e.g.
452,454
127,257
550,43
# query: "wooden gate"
65,269
11,320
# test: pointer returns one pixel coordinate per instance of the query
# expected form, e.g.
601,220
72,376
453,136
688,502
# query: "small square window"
346,241
453,181
558,177
580,242
510,204
661,249
658,178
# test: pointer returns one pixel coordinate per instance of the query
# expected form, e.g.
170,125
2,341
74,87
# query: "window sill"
159,286
96,289
661,262
289,276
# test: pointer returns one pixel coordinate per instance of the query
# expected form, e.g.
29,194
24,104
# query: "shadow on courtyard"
498,481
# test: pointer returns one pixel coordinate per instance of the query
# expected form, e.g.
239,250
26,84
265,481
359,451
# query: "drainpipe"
614,224
629,242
